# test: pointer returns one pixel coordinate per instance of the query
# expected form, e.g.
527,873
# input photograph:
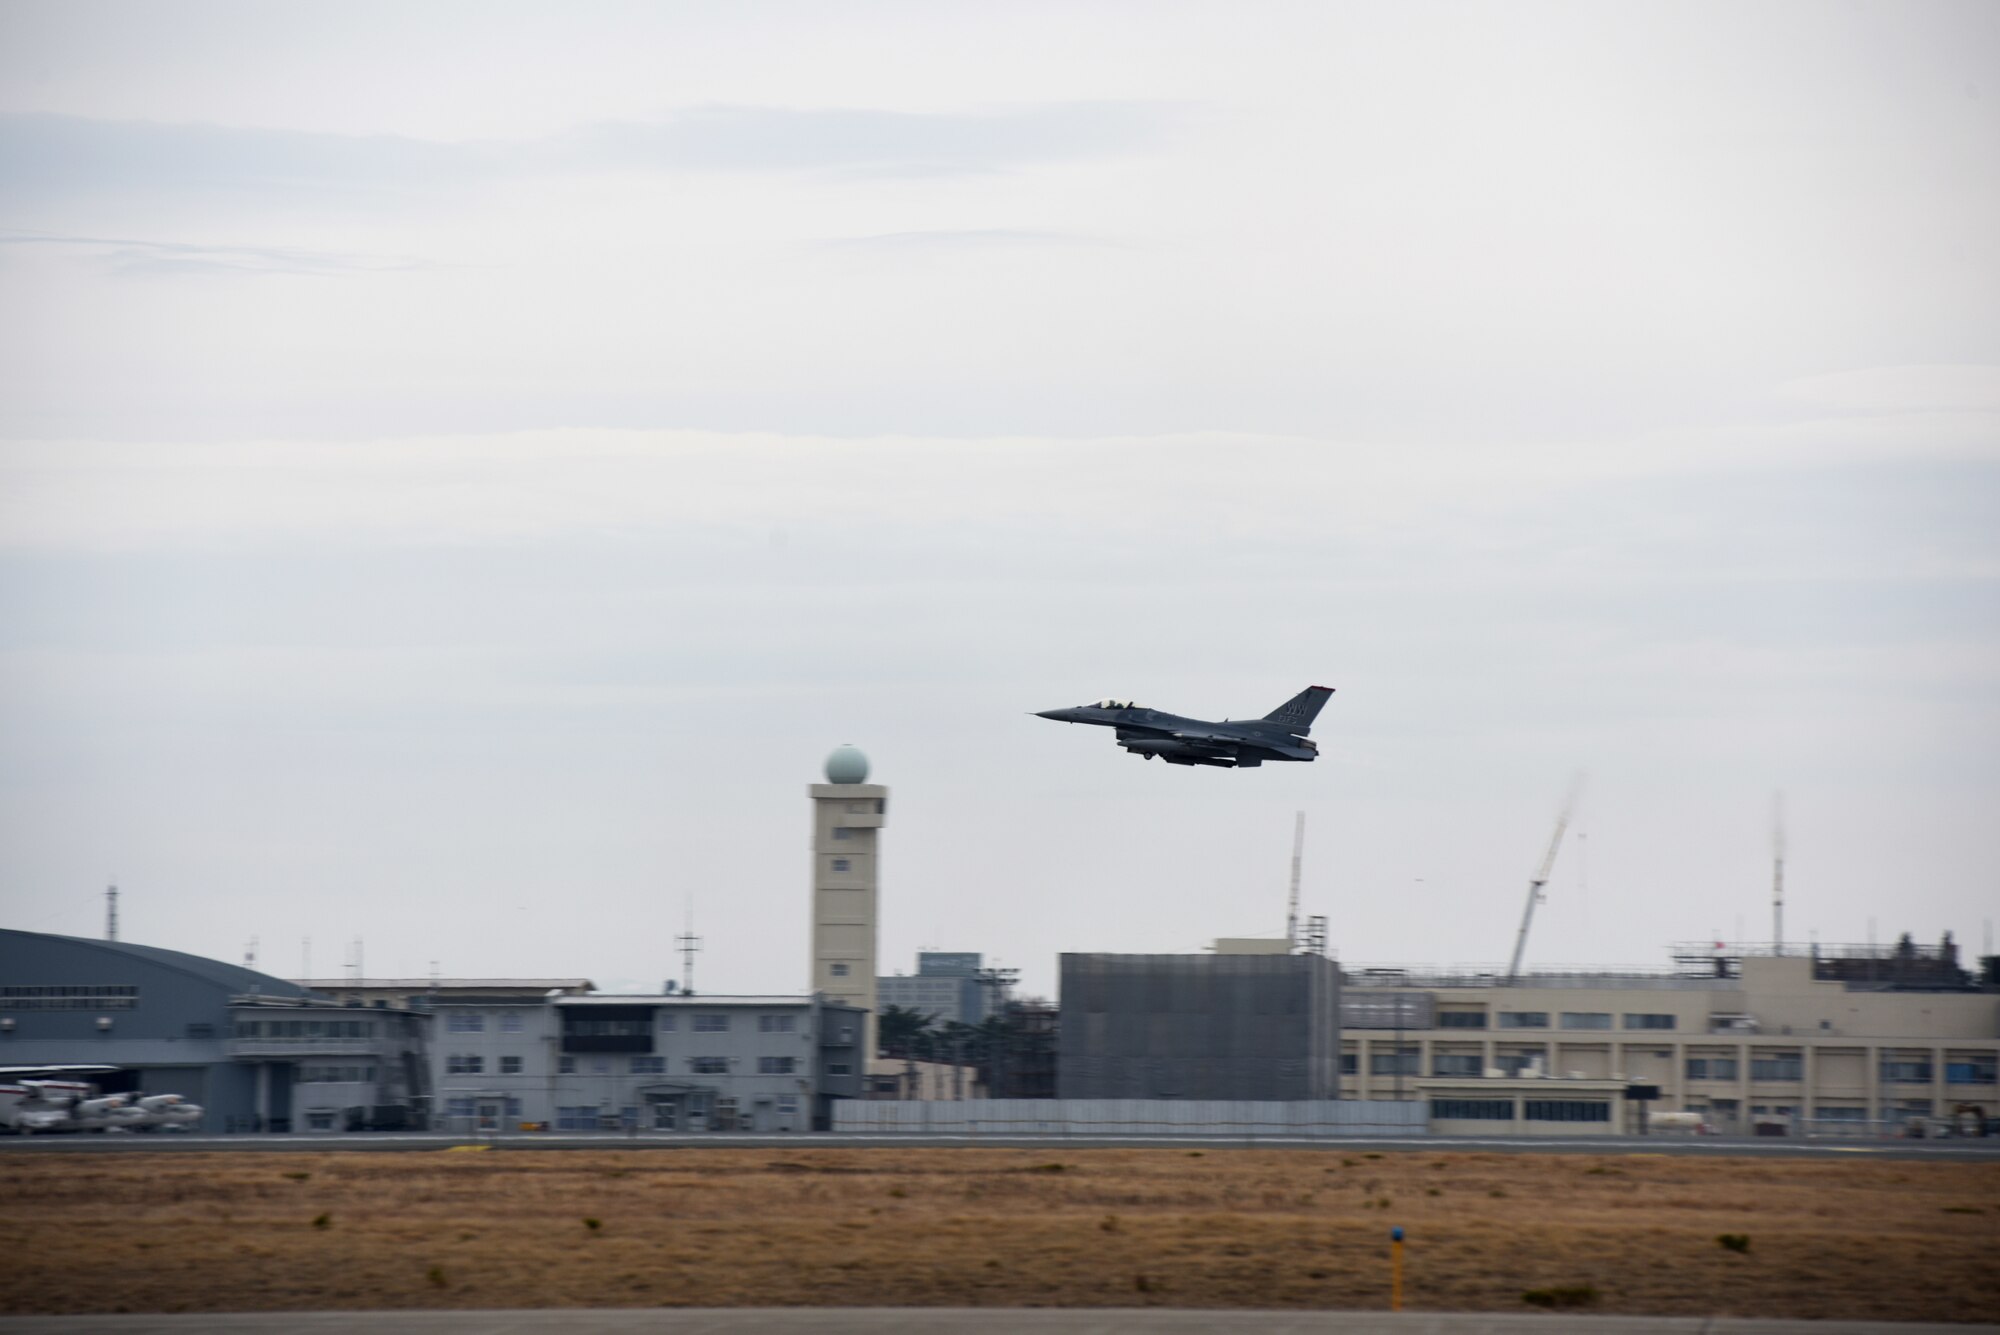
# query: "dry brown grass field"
972,1227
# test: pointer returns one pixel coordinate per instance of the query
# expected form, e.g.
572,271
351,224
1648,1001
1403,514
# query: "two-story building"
668,1062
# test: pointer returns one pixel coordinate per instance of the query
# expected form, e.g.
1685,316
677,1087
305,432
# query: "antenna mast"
1777,873
688,943
1292,905
111,913
1542,878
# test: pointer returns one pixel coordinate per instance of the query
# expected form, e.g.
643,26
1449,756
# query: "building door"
490,1114
666,1115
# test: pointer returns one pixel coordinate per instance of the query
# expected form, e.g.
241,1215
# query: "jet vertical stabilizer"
1298,713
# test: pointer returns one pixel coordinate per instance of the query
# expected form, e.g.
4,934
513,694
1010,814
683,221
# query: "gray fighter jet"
1231,744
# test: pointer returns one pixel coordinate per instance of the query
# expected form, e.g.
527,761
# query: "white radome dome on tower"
847,765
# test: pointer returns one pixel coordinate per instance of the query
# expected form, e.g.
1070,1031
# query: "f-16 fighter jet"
1231,744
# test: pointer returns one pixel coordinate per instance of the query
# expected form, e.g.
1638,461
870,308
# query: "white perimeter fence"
1290,1119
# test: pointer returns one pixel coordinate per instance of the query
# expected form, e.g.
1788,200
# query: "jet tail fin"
1298,713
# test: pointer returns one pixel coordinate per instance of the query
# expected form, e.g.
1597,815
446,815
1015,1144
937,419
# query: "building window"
565,1066
1456,1064
775,1065
69,997
1826,1114
1461,1019
513,1106
1971,1071
777,1024
336,1075
510,1066
787,1105
1906,1072
465,1022
1778,1066
669,1022
511,1022
1711,1068
1586,1019
843,864
1473,1110
838,970
840,832
1566,1110
1524,1019
576,1027
839,1068
709,1065
1393,1063
1514,1063
1649,1022
711,1024
460,1107
600,1066
576,1119
649,1066
465,1063
1349,1063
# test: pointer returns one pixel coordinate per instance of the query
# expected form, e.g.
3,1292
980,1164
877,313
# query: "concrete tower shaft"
846,854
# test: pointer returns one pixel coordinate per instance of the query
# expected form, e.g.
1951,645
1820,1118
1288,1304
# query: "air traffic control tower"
848,812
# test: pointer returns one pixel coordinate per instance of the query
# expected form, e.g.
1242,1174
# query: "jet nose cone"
1059,715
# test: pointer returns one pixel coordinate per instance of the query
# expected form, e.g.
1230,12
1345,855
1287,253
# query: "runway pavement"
1985,1150
947,1321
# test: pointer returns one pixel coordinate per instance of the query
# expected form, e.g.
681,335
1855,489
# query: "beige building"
848,815
1781,1040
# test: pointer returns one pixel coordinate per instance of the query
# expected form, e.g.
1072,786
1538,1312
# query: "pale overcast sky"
462,467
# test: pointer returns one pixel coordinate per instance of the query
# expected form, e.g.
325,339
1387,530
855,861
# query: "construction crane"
1542,878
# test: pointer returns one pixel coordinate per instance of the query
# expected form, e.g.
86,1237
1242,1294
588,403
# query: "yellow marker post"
1395,1269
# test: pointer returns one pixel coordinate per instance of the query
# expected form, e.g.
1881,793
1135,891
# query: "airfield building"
848,816
256,1052
673,1062
1221,1026
1838,1038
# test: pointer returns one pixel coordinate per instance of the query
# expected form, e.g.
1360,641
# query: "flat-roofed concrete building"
1222,1026
1744,1039
669,1062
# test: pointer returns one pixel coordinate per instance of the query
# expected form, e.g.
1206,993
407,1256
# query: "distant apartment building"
672,1062
946,984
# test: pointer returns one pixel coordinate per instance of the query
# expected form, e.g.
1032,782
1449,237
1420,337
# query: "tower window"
838,970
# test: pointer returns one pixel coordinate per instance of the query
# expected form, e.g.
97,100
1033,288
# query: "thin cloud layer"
129,257
45,157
